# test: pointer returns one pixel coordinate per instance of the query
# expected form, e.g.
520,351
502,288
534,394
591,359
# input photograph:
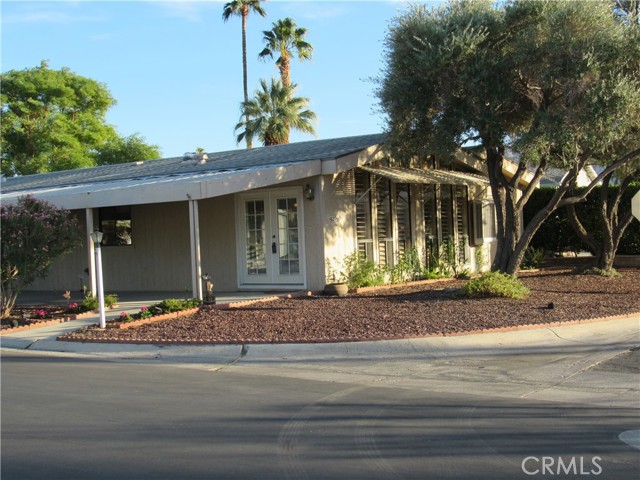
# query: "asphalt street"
73,417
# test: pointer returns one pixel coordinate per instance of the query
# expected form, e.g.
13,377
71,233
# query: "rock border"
156,318
33,326
217,341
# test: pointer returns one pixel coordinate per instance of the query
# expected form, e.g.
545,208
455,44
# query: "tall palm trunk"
285,71
285,75
245,14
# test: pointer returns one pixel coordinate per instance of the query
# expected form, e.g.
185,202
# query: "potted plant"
336,284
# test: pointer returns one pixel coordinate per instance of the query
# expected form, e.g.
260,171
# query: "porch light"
309,194
96,236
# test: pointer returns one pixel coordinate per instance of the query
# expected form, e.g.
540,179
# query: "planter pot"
336,289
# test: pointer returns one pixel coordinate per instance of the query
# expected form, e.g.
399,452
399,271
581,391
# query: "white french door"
271,247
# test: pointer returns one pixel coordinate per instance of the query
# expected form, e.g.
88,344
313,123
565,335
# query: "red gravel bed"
405,312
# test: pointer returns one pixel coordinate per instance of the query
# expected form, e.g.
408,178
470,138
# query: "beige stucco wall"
339,219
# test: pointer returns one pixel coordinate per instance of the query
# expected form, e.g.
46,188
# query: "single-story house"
270,218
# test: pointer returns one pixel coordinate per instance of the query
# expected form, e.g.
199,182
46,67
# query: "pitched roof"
178,167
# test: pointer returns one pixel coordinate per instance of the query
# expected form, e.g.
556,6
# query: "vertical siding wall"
313,234
218,242
159,258
68,272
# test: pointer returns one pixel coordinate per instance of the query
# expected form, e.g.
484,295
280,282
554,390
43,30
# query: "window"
115,224
384,222
462,215
383,209
446,212
484,222
403,217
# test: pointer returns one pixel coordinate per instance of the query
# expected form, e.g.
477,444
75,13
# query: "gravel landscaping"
400,312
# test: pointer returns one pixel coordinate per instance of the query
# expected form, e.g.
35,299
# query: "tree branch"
621,161
578,227
526,194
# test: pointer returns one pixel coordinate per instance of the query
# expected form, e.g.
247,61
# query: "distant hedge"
556,235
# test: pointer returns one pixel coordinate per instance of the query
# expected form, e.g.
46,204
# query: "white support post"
196,261
91,252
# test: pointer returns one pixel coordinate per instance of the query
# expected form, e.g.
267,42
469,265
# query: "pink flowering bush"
34,234
40,314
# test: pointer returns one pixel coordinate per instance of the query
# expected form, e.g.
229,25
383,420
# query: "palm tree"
283,39
242,8
272,112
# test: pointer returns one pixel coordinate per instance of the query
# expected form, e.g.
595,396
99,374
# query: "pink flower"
143,309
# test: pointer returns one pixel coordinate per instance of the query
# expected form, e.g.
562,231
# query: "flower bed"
557,298
170,308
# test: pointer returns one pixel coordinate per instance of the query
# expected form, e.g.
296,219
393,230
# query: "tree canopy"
273,112
126,149
286,40
34,234
55,120
554,82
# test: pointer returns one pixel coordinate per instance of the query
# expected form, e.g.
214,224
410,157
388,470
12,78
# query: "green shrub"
556,235
171,305
611,273
407,267
89,303
110,300
533,258
361,272
496,284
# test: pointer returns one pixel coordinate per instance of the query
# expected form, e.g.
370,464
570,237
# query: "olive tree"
613,214
34,234
543,79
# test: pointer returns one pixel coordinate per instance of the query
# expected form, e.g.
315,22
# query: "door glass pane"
288,253
255,227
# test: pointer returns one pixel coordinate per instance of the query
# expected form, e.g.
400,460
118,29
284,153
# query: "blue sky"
175,68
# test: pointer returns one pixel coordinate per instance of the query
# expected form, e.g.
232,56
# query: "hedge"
556,235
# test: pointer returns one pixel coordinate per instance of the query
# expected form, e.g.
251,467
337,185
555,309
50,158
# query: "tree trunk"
613,226
285,75
8,296
582,233
513,240
245,13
